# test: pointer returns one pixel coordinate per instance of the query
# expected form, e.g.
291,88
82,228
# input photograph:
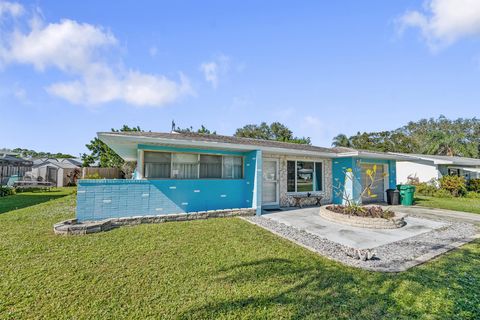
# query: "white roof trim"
211,144
470,169
425,158
133,141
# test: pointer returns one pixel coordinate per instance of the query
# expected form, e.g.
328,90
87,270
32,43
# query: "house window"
210,166
165,165
184,166
232,167
304,176
157,164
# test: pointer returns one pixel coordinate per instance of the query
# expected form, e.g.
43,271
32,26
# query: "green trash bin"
407,193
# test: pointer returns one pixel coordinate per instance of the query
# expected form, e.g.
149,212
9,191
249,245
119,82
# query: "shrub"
413,180
442,193
6,191
472,195
473,185
425,189
453,184
93,176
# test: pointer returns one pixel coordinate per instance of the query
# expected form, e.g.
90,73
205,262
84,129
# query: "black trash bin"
393,197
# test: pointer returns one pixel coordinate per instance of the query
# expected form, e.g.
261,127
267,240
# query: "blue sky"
69,69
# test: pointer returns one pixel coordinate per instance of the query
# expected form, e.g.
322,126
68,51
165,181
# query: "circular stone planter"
363,222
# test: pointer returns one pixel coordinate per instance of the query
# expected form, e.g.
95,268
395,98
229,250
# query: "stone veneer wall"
285,199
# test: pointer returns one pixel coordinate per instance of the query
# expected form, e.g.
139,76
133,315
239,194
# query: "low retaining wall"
74,227
363,222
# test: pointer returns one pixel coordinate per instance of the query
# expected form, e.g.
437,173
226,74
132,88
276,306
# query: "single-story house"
190,172
57,171
11,165
428,167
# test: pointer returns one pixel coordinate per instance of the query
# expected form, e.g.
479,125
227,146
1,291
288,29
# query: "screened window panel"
158,157
291,176
237,167
184,166
157,164
232,167
304,176
318,176
210,166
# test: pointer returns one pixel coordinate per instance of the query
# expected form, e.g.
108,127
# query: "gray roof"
55,162
225,139
461,161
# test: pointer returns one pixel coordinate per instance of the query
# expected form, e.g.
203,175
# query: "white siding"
425,171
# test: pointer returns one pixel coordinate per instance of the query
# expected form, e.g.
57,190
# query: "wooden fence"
101,173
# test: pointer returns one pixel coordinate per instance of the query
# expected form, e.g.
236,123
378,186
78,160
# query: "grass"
27,199
218,268
458,204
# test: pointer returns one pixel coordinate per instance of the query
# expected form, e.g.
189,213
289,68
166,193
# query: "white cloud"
79,51
10,8
443,22
214,70
68,45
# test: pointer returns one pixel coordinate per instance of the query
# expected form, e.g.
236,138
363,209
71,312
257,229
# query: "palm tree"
341,140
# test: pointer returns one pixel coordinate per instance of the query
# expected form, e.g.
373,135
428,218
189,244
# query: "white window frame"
314,176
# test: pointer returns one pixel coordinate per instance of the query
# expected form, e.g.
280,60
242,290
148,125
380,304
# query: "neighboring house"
428,167
187,172
57,171
11,165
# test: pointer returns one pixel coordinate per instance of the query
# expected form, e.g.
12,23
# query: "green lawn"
218,268
27,199
458,204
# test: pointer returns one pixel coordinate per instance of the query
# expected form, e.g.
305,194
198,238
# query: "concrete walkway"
456,216
308,219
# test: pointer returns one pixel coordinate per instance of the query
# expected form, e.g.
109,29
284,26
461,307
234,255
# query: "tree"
275,131
202,130
341,140
27,153
441,136
102,153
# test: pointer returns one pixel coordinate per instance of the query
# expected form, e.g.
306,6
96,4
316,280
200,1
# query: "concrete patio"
308,219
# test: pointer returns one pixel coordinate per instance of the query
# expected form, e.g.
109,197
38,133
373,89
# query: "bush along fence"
101,173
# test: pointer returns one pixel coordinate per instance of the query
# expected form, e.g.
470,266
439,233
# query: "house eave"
125,146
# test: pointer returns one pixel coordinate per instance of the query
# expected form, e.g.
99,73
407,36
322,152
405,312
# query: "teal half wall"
112,198
342,186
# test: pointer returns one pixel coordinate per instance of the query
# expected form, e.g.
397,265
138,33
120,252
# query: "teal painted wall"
101,199
339,167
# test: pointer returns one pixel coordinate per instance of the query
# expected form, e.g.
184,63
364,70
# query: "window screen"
318,176
232,167
291,176
210,166
184,166
157,164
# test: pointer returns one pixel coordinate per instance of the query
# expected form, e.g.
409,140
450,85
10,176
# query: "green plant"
93,176
473,185
425,189
6,191
453,184
472,195
442,193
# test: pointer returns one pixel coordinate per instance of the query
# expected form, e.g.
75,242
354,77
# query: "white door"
270,182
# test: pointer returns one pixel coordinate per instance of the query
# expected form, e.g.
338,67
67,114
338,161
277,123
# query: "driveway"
308,219
456,216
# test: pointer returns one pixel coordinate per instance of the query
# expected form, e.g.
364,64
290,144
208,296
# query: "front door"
270,183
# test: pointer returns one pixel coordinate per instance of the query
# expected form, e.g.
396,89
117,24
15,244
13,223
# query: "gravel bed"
393,257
